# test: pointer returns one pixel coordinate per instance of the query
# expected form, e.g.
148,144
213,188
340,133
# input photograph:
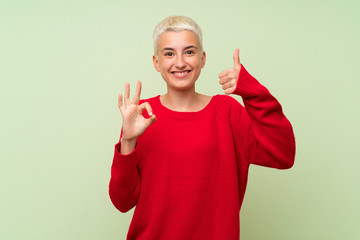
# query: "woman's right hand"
134,124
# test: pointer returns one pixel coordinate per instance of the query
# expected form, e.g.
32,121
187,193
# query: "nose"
179,62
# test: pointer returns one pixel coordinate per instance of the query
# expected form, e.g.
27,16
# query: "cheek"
164,65
197,63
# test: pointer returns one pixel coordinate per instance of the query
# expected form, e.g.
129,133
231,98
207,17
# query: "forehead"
180,39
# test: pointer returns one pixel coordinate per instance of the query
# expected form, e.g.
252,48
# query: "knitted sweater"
188,172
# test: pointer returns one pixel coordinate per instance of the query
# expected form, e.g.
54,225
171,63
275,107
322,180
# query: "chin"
180,87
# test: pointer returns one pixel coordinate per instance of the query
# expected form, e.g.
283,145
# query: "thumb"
236,57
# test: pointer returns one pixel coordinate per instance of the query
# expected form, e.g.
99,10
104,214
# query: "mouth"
181,74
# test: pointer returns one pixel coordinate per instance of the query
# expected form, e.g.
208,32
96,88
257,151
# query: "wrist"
125,140
127,145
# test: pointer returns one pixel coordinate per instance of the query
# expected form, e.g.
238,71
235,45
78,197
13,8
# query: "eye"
169,54
189,52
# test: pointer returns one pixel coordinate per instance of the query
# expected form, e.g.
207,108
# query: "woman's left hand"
229,77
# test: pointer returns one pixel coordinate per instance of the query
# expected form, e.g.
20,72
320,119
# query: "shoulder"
149,100
231,110
226,101
227,106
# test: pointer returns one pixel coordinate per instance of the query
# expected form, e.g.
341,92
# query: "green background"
63,63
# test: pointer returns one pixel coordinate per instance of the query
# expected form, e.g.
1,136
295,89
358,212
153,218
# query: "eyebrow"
172,49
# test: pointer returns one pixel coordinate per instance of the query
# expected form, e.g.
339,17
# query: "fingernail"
150,114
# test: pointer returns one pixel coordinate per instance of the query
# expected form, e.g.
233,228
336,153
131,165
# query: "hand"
134,124
229,77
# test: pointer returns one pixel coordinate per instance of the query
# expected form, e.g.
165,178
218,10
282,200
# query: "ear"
203,59
156,63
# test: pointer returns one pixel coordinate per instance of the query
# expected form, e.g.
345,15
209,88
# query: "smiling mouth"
181,74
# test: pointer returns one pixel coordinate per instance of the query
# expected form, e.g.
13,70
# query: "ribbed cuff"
124,163
248,86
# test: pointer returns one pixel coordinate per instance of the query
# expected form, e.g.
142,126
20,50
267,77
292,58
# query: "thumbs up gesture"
229,77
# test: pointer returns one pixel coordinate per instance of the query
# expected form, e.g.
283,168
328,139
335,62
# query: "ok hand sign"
229,77
134,124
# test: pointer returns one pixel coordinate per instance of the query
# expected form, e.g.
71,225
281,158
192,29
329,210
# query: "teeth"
180,73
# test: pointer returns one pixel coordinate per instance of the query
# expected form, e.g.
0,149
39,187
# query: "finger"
127,95
236,58
229,84
225,72
120,102
150,120
136,98
224,80
146,105
230,77
229,90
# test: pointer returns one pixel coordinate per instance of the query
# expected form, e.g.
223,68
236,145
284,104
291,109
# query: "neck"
182,101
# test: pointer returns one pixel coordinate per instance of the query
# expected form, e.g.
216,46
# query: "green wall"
63,63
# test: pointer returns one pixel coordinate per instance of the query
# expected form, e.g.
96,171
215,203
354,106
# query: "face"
179,59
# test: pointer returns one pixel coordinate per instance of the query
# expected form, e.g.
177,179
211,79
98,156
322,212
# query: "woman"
183,157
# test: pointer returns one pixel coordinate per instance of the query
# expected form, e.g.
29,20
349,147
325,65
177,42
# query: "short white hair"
176,24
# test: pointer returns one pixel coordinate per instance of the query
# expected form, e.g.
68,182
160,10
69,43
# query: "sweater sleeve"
124,186
262,133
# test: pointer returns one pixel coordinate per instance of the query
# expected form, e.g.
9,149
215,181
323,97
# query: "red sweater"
188,173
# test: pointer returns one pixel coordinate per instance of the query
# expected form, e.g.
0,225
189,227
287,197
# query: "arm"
124,186
262,133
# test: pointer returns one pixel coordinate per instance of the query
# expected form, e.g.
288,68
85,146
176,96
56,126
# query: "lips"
181,74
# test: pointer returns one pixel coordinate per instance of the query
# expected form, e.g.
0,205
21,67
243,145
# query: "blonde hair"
176,24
